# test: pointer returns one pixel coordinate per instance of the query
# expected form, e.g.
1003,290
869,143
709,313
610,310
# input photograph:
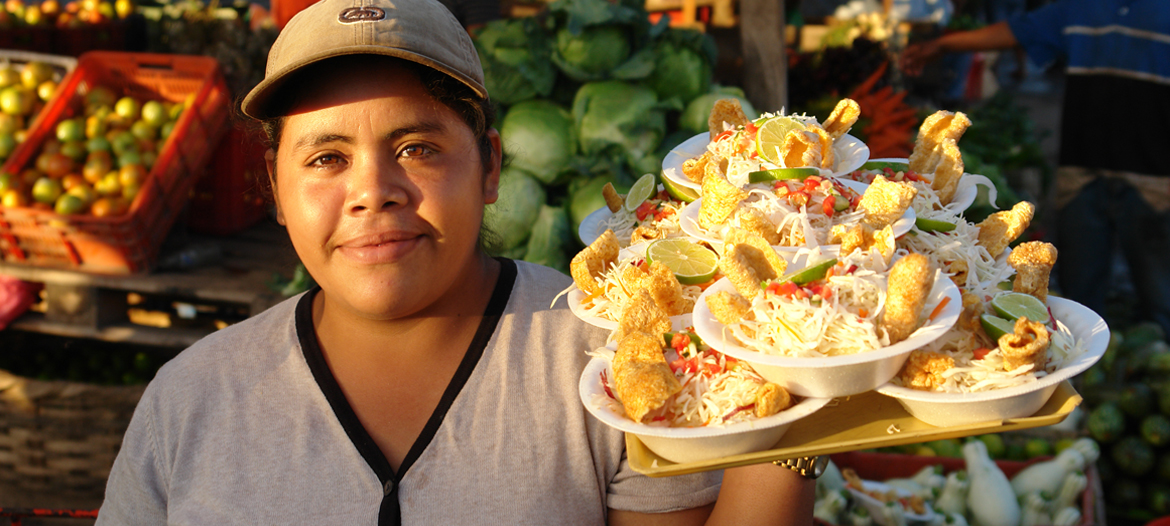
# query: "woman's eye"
415,150
326,160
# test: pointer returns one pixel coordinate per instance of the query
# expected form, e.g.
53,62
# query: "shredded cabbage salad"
984,273
972,375
659,212
717,389
804,211
614,293
833,316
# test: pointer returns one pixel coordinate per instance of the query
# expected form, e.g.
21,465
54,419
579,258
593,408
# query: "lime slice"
933,225
770,137
882,165
812,273
680,192
691,262
995,326
781,174
1014,305
644,188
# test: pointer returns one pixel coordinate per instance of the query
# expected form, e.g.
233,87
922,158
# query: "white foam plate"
575,296
693,444
833,375
849,151
953,409
593,225
688,220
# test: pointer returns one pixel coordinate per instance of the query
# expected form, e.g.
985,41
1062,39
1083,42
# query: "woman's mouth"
381,248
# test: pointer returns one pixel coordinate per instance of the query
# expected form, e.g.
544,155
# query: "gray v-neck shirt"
248,426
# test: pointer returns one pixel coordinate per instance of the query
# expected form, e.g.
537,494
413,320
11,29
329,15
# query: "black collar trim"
361,439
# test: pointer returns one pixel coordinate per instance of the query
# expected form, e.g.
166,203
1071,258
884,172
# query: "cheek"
310,211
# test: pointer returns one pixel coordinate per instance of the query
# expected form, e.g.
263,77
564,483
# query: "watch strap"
808,467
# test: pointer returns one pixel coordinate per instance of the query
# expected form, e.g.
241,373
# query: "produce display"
24,89
97,161
72,14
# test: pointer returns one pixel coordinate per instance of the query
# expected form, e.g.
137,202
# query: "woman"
424,381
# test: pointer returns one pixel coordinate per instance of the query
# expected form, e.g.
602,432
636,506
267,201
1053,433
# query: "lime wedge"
995,326
691,262
1014,305
1005,285
881,165
933,225
770,137
644,188
680,192
781,174
811,273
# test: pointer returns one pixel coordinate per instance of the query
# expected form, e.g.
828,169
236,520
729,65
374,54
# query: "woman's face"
382,191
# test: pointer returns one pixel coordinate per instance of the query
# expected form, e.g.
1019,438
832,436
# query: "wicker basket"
61,437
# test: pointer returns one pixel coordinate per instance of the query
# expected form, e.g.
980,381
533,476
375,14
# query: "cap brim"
257,104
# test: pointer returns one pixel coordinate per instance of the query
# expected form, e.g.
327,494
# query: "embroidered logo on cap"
361,14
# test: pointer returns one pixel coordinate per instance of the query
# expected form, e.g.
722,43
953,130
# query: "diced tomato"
798,198
711,369
911,175
645,209
781,188
724,135
788,288
981,352
827,205
680,341
662,196
851,269
800,293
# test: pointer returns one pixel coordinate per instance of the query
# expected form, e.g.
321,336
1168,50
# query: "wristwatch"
808,467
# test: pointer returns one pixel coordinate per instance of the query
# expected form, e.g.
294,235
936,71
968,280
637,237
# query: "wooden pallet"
172,308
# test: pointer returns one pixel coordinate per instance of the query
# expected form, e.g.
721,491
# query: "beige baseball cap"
422,31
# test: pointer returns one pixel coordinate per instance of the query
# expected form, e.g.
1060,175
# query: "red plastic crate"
885,466
229,197
127,243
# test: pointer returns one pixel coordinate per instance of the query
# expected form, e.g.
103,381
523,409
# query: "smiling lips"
386,247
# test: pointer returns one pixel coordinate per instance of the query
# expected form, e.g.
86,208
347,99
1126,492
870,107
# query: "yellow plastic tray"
864,421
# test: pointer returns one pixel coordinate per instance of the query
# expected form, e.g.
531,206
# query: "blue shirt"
1117,93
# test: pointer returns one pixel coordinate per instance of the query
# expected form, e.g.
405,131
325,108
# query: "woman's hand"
916,56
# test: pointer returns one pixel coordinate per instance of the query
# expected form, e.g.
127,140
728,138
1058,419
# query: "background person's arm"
994,37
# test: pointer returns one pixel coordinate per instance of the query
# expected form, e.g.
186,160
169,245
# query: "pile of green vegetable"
1127,394
589,92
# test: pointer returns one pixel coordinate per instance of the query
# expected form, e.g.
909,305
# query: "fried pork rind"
948,171
885,201
592,261
924,370
959,270
729,307
755,221
725,114
738,236
972,310
642,378
641,314
748,260
646,232
861,237
1003,227
1027,345
826,140
1033,262
907,287
664,287
771,399
720,199
612,200
695,168
801,148
942,125
844,115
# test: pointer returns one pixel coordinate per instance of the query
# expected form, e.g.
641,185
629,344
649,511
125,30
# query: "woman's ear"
270,165
491,180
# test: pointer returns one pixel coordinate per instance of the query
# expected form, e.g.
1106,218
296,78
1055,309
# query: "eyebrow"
419,127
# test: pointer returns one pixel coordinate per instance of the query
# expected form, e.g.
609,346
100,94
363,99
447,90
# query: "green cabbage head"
512,215
539,138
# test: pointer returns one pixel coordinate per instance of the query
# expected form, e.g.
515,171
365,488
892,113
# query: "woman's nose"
376,183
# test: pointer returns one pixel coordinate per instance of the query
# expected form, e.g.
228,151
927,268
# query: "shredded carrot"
941,305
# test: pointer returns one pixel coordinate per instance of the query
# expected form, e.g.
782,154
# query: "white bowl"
593,225
831,376
575,296
688,220
693,444
954,409
849,152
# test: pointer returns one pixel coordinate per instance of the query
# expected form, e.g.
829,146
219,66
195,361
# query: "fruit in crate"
97,159
24,89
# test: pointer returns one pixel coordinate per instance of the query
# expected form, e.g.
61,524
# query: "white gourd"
1073,486
1047,476
1088,447
829,507
893,514
859,516
953,499
1034,511
829,481
954,519
1067,517
990,499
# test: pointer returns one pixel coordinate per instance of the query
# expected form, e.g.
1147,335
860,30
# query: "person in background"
1112,185
422,381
